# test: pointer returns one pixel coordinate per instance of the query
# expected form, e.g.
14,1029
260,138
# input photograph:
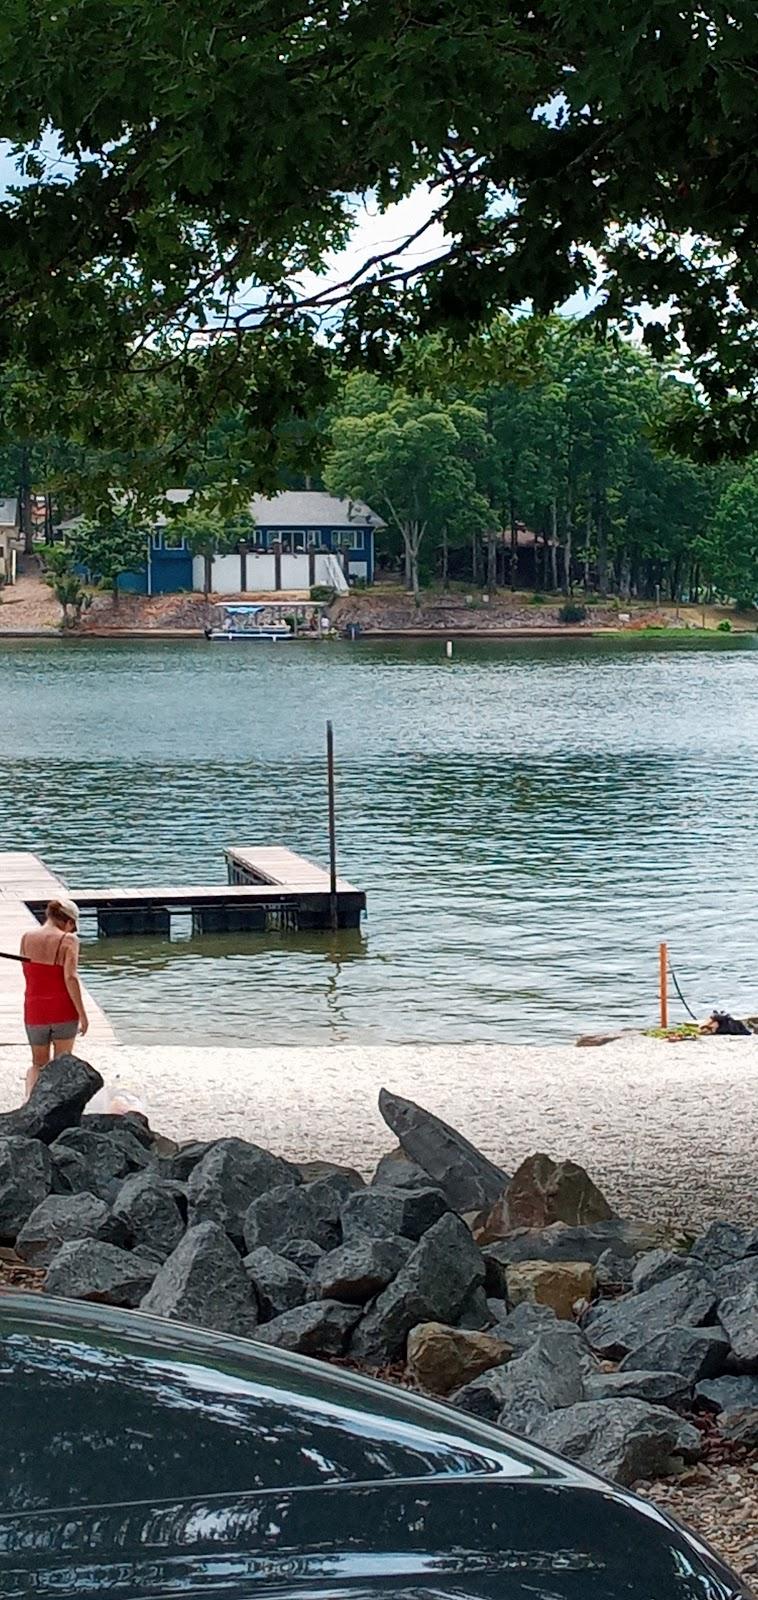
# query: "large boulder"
561,1242
228,1178
319,1329
558,1285
62,1217
358,1270
204,1281
93,1163
658,1388
26,1179
433,1286
305,1254
148,1208
396,1171
614,1271
725,1242
467,1178
615,1328
112,1121
622,1439
441,1358
521,1326
741,1427
279,1284
384,1213
658,1265
343,1178
546,1377
56,1101
288,1213
183,1161
735,1276
693,1353
543,1191
88,1269
738,1315
734,1392
475,1314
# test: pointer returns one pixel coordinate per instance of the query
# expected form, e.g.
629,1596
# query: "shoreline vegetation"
385,611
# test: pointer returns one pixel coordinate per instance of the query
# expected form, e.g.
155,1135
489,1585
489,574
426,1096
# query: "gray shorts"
46,1032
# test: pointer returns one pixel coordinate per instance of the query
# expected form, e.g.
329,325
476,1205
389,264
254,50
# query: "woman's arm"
70,963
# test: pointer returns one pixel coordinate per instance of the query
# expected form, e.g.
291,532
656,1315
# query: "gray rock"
484,1396
395,1171
56,1101
360,1269
468,1179
304,1252
613,1329
614,1271
433,1286
624,1440
656,1266
228,1178
180,1165
562,1243
735,1276
475,1315
99,1164
62,1217
738,1315
345,1178
88,1269
147,1207
385,1213
204,1281
319,1329
741,1427
694,1353
657,1388
279,1284
724,1242
728,1394
547,1377
284,1214
327,1196
522,1326
26,1179
499,1310
107,1121
138,1157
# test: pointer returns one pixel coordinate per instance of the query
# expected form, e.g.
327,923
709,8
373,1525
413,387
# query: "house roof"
8,511
292,508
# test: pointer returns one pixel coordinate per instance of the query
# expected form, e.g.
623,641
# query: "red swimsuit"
47,1000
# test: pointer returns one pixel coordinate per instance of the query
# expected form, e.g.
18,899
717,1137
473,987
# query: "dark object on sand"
721,1022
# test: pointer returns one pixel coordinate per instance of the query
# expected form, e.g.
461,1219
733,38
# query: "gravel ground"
669,1132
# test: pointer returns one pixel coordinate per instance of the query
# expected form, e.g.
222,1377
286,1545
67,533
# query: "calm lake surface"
528,821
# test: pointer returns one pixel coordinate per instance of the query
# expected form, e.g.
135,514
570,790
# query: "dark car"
140,1458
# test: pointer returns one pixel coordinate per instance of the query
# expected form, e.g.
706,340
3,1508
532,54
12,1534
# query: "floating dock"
268,889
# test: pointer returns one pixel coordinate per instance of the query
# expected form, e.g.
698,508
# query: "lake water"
528,820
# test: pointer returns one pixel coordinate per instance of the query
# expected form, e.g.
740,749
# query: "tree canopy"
184,163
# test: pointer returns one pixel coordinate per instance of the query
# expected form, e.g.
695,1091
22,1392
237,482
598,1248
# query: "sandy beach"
669,1131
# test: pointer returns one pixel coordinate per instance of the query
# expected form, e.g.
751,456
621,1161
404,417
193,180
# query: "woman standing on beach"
53,1005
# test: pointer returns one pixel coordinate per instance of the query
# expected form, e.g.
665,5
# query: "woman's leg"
63,1047
40,1058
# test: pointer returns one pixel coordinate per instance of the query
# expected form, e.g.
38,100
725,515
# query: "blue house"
293,524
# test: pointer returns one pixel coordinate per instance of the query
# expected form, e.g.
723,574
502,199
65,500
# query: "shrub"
322,591
537,600
724,627
572,612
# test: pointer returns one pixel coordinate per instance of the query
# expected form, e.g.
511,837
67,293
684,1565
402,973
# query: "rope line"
675,980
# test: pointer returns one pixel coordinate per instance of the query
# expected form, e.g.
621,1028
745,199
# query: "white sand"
669,1131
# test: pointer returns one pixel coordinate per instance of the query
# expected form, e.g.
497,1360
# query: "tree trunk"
554,545
25,500
567,584
514,544
491,560
602,551
587,547
445,560
625,575
475,560
207,574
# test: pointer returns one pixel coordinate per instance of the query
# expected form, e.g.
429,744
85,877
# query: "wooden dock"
25,879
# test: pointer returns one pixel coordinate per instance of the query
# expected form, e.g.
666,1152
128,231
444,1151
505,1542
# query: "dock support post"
333,911
663,959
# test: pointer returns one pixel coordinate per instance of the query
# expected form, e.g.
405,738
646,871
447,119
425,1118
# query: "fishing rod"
5,955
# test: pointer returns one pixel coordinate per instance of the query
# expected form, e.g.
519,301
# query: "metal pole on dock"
333,913
663,958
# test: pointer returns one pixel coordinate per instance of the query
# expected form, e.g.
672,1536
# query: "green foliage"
66,585
724,627
537,599
201,148
56,559
732,543
572,612
322,592
108,547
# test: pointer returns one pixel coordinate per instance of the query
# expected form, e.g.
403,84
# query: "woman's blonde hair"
62,911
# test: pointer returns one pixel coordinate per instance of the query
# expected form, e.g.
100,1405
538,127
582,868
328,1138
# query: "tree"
108,547
408,461
208,533
184,163
730,547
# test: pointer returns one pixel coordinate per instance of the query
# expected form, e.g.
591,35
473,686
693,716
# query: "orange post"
664,984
